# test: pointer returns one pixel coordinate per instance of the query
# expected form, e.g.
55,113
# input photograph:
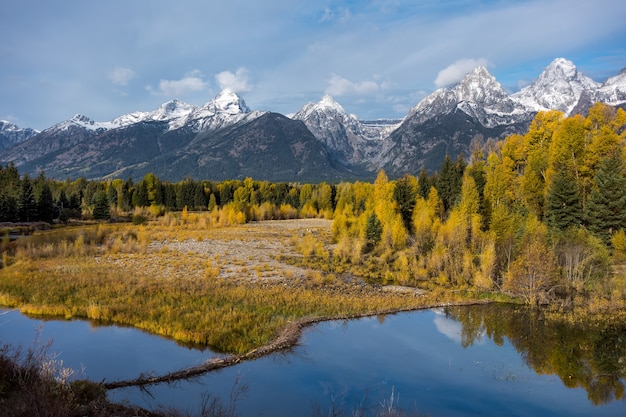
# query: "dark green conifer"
101,209
563,205
449,182
404,193
373,230
27,207
605,212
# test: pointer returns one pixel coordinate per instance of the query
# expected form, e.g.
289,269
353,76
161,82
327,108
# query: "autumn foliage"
539,216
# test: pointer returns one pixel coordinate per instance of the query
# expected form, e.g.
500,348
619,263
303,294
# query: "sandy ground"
254,253
250,252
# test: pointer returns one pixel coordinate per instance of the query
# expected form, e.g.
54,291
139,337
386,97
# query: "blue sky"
378,58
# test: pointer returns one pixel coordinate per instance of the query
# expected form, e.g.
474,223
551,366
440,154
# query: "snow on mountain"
613,90
558,87
344,134
11,134
479,95
228,102
331,125
226,108
329,114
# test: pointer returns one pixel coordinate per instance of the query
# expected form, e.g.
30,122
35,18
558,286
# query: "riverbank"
287,338
239,289
230,288
245,290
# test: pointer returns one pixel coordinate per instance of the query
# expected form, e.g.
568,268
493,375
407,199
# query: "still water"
462,361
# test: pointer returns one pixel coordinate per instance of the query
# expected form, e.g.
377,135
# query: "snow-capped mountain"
613,90
11,135
479,95
558,87
225,139
63,139
446,121
226,108
342,133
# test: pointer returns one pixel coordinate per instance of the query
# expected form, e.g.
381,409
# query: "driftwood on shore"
286,339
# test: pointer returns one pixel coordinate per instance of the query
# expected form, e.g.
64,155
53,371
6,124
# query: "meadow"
232,288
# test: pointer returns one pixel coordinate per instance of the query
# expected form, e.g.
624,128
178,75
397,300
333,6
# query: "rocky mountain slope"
11,135
225,139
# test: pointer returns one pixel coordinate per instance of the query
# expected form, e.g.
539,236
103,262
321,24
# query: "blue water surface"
415,361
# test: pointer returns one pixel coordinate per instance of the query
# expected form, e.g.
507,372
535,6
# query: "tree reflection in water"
586,355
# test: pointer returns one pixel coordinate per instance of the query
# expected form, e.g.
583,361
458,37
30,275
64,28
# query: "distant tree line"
24,199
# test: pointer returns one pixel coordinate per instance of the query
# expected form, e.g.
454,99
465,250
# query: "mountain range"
225,139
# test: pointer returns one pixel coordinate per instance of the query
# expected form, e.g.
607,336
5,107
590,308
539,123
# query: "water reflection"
482,360
455,331
580,354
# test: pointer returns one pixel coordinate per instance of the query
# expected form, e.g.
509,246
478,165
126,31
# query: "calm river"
460,361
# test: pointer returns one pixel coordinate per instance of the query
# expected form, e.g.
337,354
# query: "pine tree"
449,181
140,196
425,182
45,203
101,209
373,230
405,193
27,207
563,204
8,207
605,212
200,201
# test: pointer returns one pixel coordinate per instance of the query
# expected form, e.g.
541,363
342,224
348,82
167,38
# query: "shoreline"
287,338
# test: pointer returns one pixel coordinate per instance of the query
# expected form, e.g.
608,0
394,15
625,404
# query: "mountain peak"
227,101
81,119
481,72
558,87
327,107
479,86
562,67
173,109
328,102
11,134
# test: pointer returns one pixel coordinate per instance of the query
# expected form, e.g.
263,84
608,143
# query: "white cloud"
455,72
340,14
238,82
340,86
176,88
121,76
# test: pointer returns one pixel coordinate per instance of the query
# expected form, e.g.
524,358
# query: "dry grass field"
230,287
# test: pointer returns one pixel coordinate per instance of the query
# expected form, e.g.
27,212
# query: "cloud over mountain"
455,72
192,82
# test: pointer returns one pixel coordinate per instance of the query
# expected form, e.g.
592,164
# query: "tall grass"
110,273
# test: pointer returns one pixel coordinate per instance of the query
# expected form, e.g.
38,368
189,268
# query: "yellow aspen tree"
452,237
423,220
434,203
514,149
484,278
567,148
384,206
385,209
504,227
399,234
536,144
534,273
345,195
501,183
605,138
